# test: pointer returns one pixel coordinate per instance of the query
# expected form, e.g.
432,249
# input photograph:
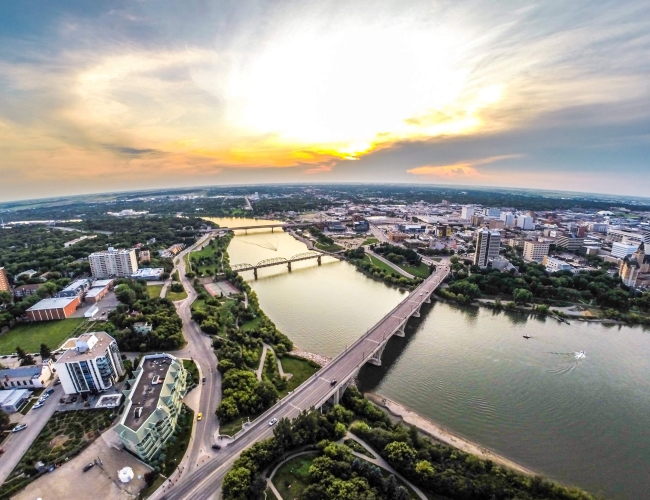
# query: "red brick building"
56,308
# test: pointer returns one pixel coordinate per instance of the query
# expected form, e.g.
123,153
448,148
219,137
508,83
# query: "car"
216,447
58,382
333,382
49,391
74,399
199,416
38,405
273,421
19,428
89,466
62,400
203,380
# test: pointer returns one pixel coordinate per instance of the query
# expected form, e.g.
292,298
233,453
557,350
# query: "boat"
580,355
526,336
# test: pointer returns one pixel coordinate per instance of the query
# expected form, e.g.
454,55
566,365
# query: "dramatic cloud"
117,95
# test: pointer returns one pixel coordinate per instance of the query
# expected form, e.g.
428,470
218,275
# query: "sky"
103,96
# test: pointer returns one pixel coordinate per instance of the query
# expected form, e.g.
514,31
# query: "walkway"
260,369
389,263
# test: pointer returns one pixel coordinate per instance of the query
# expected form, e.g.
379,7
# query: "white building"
466,212
94,365
622,250
555,265
508,218
535,251
488,244
27,377
113,263
12,400
525,222
492,212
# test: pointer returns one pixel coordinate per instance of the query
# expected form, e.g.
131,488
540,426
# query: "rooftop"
97,342
102,283
53,303
21,372
145,395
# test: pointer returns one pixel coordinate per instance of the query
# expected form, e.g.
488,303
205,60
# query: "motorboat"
580,354
526,336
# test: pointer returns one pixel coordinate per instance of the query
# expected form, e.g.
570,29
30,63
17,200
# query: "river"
581,421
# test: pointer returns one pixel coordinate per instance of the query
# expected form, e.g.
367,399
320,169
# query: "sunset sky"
99,96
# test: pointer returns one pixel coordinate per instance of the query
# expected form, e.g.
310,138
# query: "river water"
583,421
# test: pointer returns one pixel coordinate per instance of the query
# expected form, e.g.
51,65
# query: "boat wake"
570,362
273,247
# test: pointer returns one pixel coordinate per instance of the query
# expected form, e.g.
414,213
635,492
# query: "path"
260,369
389,263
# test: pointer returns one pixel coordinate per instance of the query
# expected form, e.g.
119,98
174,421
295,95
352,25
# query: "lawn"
421,271
370,241
269,495
382,265
328,248
30,336
301,369
293,477
176,295
231,428
175,448
249,326
358,447
154,291
63,437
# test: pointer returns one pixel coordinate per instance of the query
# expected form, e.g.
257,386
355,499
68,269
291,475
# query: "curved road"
205,481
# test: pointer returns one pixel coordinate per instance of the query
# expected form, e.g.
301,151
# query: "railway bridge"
276,261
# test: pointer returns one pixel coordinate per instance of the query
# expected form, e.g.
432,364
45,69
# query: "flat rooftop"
145,394
72,355
53,303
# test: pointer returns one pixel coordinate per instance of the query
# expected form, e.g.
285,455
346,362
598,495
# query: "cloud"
465,169
131,151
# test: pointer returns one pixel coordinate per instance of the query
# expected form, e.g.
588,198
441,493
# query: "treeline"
166,334
357,258
322,238
397,255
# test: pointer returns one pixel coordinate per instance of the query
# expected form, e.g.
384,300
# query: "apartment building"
554,265
94,365
466,212
488,244
622,250
153,403
571,242
535,251
113,262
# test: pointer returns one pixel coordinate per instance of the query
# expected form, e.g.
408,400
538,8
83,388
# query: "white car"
38,405
273,421
19,428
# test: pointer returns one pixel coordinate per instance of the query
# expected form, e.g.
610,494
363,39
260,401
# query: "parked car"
49,391
273,421
19,428
38,405
199,416
204,380
216,447
89,466
74,399
58,381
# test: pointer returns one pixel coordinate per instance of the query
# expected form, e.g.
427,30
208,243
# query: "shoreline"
439,433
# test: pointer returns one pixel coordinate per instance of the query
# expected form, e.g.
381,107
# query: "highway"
205,481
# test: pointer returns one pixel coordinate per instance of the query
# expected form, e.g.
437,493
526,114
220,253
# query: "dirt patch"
58,441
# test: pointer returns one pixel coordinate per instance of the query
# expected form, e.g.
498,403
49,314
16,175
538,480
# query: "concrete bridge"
276,261
283,225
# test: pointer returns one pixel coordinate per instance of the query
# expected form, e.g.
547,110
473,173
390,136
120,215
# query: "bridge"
275,261
327,385
283,225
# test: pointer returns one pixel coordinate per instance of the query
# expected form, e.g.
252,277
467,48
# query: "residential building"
476,220
153,403
629,270
622,250
144,256
4,281
54,308
642,259
25,274
27,377
571,242
488,244
554,265
12,400
598,227
113,263
625,236
535,251
496,224
148,274
76,289
525,222
26,290
508,218
492,212
93,366
466,212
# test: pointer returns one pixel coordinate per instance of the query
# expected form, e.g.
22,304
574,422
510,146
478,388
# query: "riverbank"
441,434
316,358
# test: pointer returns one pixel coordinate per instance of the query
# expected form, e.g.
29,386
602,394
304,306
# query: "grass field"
175,295
370,241
421,271
154,291
269,495
329,248
382,265
301,369
358,447
293,477
233,427
30,336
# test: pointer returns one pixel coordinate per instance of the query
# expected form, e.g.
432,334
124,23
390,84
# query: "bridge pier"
375,359
336,397
416,313
318,259
428,299
401,331
289,265
255,272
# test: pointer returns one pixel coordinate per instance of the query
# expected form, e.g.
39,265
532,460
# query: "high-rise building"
492,212
622,250
94,365
508,218
466,212
525,222
571,242
488,244
113,263
629,271
535,251
4,281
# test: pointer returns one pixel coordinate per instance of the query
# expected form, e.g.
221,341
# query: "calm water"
580,421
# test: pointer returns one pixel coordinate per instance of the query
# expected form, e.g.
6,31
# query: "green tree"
522,296
45,352
5,297
4,420
400,454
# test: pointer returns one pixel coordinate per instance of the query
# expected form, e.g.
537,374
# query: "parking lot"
106,305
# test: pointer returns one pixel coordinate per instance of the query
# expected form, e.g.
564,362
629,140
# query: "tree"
4,420
400,454
283,434
5,297
25,358
522,296
45,352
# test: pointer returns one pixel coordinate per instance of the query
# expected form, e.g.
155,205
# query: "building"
598,227
27,377
68,244
113,263
411,228
361,226
12,400
397,237
149,274
26,290
642,259
25,274
144,256
466,212
476,220
153,403
571,242
54,308
622,250
4,281
443,231
492,212
508,218
76,289
554,265
629,270
93,366
525,222
535,251
336,227
142,327
488,244
496,224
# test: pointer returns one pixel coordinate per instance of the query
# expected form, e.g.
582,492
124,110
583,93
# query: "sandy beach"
441,434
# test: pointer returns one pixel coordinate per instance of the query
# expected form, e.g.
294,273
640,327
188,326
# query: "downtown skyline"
128,96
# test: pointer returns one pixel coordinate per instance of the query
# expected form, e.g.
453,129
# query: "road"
17,443
388,263
204,483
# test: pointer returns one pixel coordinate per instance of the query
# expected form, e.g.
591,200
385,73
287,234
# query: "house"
76,289
26,290
12,400
27,377
142,327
